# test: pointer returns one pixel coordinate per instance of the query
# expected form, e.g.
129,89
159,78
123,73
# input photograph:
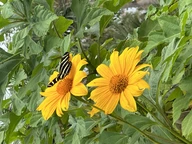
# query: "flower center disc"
64,86
118,83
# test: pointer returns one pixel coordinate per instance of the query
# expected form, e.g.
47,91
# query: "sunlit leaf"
43,20
62,24
180,104
187,127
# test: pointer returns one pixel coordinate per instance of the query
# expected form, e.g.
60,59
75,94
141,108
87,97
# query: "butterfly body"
64,69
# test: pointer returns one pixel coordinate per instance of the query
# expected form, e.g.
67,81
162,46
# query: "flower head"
57,97
121,81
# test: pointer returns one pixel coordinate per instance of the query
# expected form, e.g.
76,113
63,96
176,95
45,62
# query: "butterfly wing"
64,69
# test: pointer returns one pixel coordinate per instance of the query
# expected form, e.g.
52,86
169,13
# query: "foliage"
164,111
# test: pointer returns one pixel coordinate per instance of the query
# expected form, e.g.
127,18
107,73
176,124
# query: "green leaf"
1,136
79,9
38,75
104,22
43,20
115,5
180,104
146,28
3,22
185,85
19,38
18,104
14,120
20,75
34,97
95,15
169,25
65,45
34,48
7,65
113,138
138,121
7,10
62,24
87,16
51,4
187,127
52,42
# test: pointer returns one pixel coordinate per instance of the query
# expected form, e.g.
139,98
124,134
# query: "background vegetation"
44,29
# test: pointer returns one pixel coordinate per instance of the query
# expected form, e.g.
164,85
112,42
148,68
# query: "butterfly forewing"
64,69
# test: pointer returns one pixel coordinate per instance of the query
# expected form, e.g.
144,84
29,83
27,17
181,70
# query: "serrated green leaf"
147,27
62,24
7,65
34,97
43,18
169,25
185,85
179,104
19,38
34,48
95,15
20,75
113,138
7,10
174,94
38,75
187,127
18,104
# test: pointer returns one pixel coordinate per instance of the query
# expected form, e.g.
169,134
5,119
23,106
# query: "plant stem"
56,30
80,45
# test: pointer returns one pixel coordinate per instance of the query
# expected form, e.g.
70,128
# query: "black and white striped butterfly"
64,69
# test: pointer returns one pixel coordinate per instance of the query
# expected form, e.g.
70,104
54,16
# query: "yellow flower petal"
142,84
78,77
130,60
98,82
127,101
114,99
93,111
115,64
104,71
79,90
65,102
139,67
99,92
135,90
136,76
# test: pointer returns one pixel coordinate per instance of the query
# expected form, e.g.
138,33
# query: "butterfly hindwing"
64,69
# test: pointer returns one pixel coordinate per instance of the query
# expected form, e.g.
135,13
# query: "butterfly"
64,69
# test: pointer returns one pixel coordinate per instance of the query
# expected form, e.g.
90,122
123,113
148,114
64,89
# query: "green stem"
9,58
99,52
80,45
56,30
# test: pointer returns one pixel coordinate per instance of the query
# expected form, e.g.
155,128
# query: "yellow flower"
57,97
121,81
